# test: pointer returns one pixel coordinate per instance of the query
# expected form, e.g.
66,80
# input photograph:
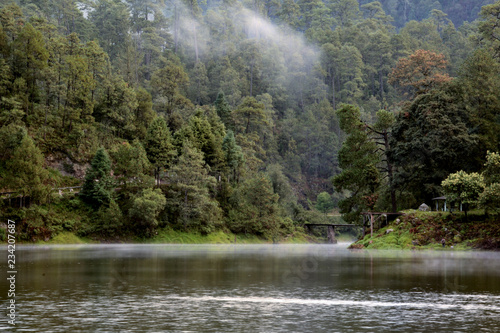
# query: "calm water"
252,288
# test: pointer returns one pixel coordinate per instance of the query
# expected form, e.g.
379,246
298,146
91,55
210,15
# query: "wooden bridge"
330,229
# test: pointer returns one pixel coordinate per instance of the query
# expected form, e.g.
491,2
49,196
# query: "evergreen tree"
358,160
159,147
430,140
255,208
190,202
169,83
132,165
24,172
233,154
98,188
223,110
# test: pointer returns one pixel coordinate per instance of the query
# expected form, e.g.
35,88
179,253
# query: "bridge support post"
331,235
371,225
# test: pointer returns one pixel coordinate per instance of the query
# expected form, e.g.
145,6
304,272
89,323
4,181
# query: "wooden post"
364,225
371,224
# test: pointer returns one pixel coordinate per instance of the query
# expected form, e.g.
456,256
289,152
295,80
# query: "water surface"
253,288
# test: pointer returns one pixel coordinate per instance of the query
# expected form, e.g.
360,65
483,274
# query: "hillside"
236,116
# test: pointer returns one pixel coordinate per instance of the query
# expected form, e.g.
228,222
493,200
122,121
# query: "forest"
253,117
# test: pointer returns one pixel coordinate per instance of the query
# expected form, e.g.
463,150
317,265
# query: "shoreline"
418,230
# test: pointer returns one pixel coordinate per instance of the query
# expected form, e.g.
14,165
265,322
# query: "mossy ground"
426,230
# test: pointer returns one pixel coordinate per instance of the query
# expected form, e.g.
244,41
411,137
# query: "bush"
145,209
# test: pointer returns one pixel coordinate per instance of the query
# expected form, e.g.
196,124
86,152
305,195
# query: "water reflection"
261,288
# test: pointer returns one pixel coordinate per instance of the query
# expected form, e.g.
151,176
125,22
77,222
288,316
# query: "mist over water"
279,288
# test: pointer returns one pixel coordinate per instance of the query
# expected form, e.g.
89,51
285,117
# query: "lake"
252,288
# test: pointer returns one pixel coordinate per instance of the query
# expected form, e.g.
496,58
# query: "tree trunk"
251,77
390,174
333,90
381,85
196,45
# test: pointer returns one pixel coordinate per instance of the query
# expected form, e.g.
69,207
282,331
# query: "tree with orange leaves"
419,73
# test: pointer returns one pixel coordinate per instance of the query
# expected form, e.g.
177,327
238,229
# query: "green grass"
424,230
66,237
170,236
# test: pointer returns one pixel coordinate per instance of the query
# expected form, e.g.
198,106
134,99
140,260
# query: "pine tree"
24,172
132,165
223,110
189,191
358,160
159,147
233,154
255,207
97,190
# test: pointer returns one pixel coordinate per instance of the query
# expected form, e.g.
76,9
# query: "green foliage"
98,188
78,76
145,209
463,187
281,186
223,110
233,154
360,177
255,208
131,165
169,82
491,171
489,25
189,200
159,148
109,219
480,79
324,202
24,173
430,140
490,197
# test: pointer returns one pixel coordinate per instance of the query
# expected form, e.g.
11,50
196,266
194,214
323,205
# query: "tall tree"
420,72
24,172
159,147
169,83
480,80
98,188
360,178
489,27
190,182
31,58
112,21
233,154
223,110
131,165
430,140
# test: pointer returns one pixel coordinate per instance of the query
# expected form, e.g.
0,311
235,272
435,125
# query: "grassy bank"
171,236
427,230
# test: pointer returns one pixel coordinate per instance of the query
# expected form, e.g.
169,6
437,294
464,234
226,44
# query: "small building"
441,204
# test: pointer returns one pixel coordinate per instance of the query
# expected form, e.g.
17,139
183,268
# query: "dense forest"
247,116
